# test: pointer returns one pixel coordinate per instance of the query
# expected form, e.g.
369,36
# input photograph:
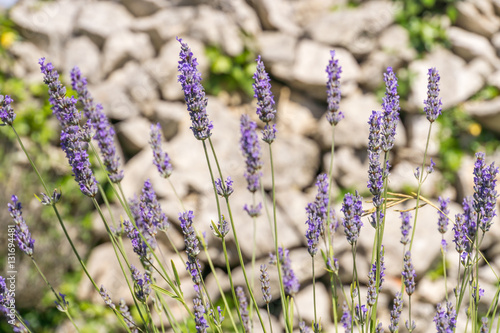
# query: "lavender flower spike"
262,89
390,106
405,227
21,232
199,318
7,114
194,93
352,208
334,116
160,158
445,318
104,132
375,173
125,312
250,147
224,190
443,220
485,194
265,285
433,103
243,305
317,215
409,274
397,308
290,281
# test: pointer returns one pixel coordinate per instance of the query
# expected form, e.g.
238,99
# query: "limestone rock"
214,27
94,20
83,53
477,16
165,24
133,134
138,84
417,127
26,64
144,7
459,81
116,103
469,45
349,169
243,14
276,15
294,118
307,306
277,47
485,112
169,115
124,46
354,29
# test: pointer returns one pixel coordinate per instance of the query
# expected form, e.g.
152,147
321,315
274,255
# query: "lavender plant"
156,288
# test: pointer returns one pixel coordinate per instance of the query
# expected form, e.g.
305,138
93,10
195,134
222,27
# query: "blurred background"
128,52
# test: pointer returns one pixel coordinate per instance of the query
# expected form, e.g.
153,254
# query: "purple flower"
303,328
139,246
125,312
397,308
409,274
352,207
444,211
160,158
405,227
333,70
222,227
199,318
445,318
317,215
6,112
106,298
265,285
194,93
249,145
142,284
104,132
269,133
430,168
151,214
346,319
484,325
433,103
485,194
243,305
224,191
21,233
194,268
390,105
290,281
253,210
262,91
375,173
190,239
71,136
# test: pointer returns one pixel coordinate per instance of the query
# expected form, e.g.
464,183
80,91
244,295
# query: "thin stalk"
444,272
176,195
314,294
21,320
356,281
228,268
269,317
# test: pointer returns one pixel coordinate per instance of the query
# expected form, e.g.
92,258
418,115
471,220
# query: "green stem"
314,295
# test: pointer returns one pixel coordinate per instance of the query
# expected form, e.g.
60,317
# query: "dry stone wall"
128,52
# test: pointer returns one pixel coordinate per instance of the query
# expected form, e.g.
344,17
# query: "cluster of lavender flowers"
145,218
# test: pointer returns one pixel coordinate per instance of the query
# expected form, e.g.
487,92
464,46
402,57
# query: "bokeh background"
128,52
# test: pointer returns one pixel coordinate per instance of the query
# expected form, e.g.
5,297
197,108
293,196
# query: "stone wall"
128,51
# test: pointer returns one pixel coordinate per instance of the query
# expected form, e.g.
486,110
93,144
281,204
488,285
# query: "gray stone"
354,29
243,14
26,64
94,20
395,41
296,157
165,24
133,134
402,178
417,128
308,307
138,84
477,16
276,15
214,27
485,112
144,7
459,81
47,25
469,45
374,67
308,71
357,109
349,170
116,103
277,47
83,53
124,46
164,68
294,118
169,115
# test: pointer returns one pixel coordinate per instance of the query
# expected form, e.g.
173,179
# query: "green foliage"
423,20
436,271
231,74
